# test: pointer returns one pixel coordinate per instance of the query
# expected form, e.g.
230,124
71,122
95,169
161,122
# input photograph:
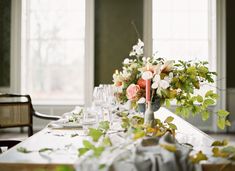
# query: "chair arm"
45,116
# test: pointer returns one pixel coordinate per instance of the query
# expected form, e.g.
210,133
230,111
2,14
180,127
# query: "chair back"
16,111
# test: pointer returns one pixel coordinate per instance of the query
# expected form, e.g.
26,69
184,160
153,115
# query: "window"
53,51
189,30
186,30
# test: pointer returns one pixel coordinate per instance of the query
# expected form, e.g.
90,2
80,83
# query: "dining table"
53,147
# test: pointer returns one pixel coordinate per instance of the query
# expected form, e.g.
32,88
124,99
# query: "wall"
230,43
114,34
231,61
5,20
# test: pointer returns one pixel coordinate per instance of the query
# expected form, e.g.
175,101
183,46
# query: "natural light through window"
185,29
53,62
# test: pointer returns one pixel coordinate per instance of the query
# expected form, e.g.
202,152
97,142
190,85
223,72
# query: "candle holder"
149,115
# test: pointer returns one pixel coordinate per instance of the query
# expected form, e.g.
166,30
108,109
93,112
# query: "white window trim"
89,52
220,49
15,82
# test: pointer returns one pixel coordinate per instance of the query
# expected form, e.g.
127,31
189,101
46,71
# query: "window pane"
53,50
183,29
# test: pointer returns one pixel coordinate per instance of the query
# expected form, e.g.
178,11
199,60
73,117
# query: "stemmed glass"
97,101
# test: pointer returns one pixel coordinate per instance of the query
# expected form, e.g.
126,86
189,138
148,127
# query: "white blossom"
158,83
137,49
147,75
126,61
125,74
141,100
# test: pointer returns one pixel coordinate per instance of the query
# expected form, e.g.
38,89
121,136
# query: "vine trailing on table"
169,80
135,129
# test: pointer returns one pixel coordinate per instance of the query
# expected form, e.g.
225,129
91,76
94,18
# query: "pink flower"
132,91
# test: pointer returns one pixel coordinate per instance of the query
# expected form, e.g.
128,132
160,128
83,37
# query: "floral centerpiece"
169,80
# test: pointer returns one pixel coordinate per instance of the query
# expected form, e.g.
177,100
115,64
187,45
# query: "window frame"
16,64
220,51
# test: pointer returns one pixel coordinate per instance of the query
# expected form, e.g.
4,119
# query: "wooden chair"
17,111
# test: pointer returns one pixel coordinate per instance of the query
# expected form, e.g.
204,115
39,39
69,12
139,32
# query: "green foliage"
95,134
169,119
220,143
104,126
136,127
45,149
23,150
183,77
222,121
89,146
200,156
169,147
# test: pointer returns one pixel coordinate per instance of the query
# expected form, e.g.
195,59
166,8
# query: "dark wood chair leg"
30,131
21,129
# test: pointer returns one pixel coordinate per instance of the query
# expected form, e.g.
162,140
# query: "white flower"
133,66
178,90
141,100
171,75
140,43
148,59
144,59
147,75
125,74
168,66
132,53
137,49
126,61
160,84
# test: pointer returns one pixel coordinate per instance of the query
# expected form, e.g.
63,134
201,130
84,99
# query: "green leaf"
205,115
82,151
218,153
198,157
139,134
168,104
209,93
104,125
172,126
192,70
169,119
74,135
221,123
178,110
223,113
45,149
88,145
95,134
227,123
220,143
208,102
23,150
199,98
228,149
169,147
98,151
102,166
107,141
